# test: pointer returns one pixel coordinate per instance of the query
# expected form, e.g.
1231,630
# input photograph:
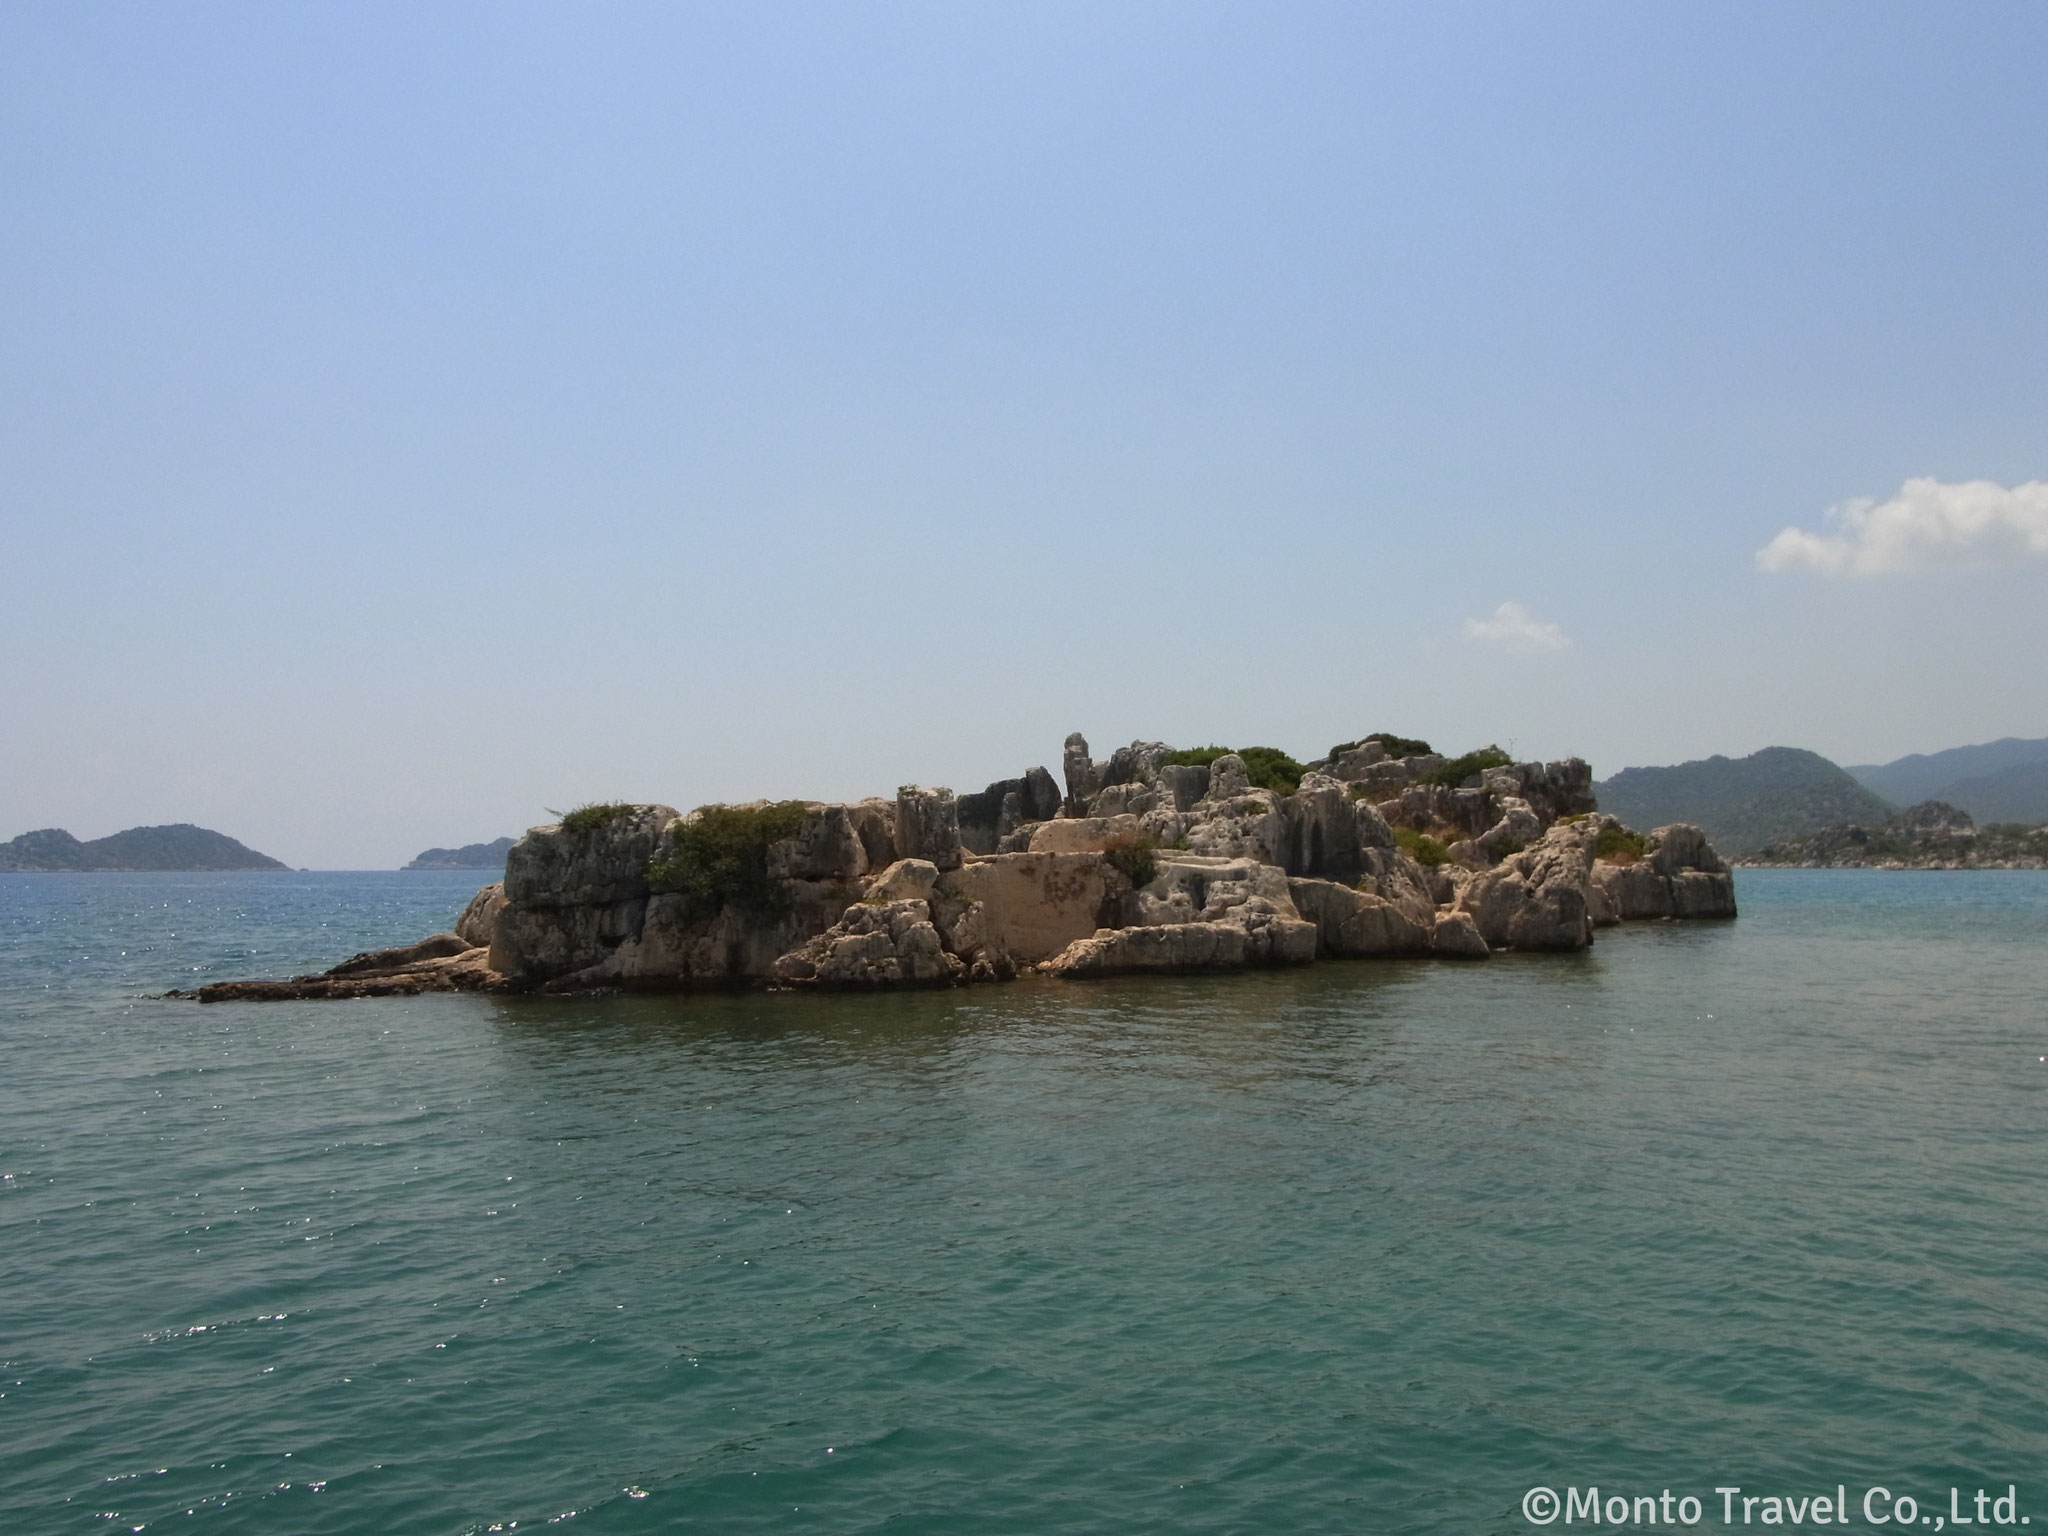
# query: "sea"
1367,1247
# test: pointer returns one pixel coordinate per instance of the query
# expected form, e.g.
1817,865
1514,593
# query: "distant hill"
468,856
1743,803
2000,781
181,847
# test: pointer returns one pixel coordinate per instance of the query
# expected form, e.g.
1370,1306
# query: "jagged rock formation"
1141,865
1930,835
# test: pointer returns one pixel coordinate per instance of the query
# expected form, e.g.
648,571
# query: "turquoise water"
1362,1248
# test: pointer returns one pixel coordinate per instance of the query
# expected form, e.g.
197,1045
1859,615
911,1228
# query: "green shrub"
1135,857
1192,757
1396,746
719,858
1270,768
585,819
1459,769
1266,767
1618,845
1421,847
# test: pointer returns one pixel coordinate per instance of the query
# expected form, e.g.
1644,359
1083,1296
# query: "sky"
417,417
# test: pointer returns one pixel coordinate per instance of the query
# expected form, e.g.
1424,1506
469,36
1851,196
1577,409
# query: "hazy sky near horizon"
416,416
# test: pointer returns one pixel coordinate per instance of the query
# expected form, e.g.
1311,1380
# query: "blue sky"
416,416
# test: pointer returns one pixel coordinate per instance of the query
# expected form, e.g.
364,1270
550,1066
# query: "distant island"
468,856
1743,803
1931,835
180,847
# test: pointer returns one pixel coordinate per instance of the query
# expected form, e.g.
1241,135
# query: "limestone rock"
827,846
928,826
1186,783
1426,806
1351,923
587,862
387,973
480,917
677,944
1079,769
1679,875
1033,905
373,962
540,943
1233,820
1086,834
874,944
1373,831
1320,831
1174,947
1535,899
1348,765
905,880
990,816
1125,800
1457,937
874,821
1516,830
1552,790
1228,778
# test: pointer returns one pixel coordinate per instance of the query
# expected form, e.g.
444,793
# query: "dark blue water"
1371,1247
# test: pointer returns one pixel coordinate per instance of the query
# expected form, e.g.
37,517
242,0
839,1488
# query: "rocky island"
1930,835
179,848
489,855
1149,860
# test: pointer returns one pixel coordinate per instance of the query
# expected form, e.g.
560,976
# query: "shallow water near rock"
1367,1247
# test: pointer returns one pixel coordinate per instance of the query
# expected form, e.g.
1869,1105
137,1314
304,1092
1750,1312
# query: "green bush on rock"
1135,857
1193,757
1394,746
1266,767
719,857
1421,847
586,819
1618,845
1459,769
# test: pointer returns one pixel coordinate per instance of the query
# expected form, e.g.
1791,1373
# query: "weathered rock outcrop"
1677,875
479,919
442,962
1141,865
1535,899
875,944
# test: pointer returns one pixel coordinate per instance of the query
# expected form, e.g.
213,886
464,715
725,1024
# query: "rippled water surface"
1370,1247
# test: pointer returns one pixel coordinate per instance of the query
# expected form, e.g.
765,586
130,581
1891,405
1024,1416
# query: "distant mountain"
1743,803
2000,781
468,856
179,847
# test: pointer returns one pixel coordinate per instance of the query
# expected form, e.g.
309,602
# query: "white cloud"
1976,522
1512,628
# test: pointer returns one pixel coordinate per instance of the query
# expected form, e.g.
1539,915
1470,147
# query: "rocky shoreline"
1930,835
1150,861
